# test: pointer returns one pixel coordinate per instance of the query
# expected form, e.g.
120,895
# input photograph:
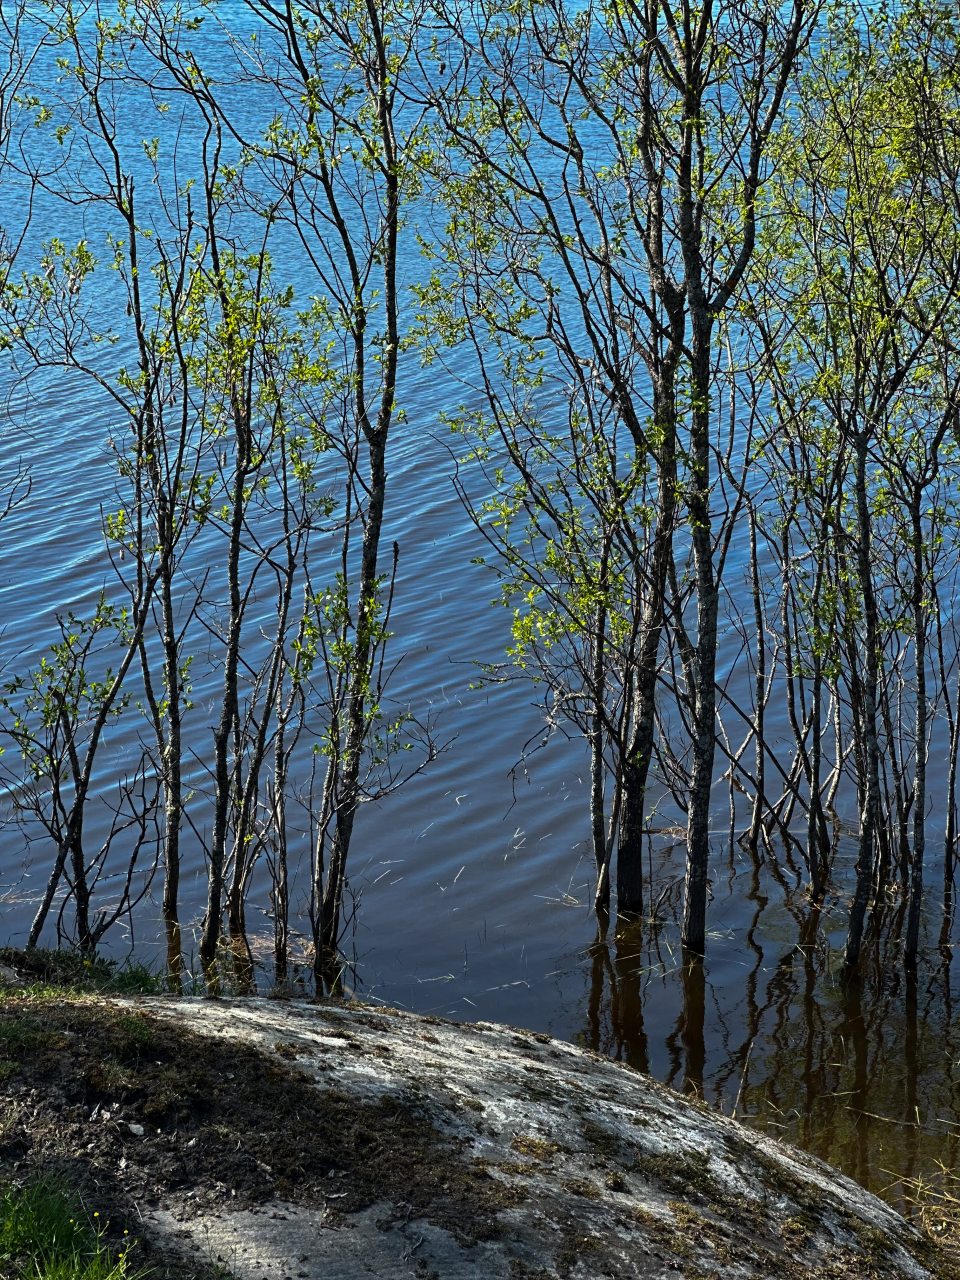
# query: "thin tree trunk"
636,767
869,744
760,693
171,770
224,732
598,825
693,929
348,792
920,740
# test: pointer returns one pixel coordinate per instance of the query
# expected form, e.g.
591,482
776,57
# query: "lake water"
473,884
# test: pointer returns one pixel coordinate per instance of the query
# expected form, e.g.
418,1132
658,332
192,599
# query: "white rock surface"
603,1172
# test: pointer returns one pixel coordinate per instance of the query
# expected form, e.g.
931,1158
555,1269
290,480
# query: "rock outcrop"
451,1150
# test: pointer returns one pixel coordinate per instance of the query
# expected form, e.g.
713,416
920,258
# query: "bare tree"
604,206
867,194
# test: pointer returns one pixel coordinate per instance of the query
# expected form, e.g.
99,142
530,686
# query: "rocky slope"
283,1139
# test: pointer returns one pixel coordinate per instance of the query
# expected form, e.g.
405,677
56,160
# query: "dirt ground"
139,1111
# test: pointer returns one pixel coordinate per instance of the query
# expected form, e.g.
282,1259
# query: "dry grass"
936,1208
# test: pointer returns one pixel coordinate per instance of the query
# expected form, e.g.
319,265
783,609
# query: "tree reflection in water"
861,1071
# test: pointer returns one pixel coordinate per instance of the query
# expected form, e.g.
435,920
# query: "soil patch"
140,1110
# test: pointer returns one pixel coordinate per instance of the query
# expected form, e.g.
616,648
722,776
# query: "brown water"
864,1073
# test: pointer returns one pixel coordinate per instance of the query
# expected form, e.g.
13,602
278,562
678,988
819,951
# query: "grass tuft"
49,972
936,1208
46,1234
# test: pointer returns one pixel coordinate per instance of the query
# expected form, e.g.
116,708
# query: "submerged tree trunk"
693,927
636,766
912,938
867,728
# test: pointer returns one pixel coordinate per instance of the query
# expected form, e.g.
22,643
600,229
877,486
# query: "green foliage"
47,1233
56,971
48,711
855,269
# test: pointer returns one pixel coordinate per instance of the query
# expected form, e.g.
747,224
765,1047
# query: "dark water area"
471,887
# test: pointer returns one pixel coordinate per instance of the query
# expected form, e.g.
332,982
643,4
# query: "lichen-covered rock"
483,1151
